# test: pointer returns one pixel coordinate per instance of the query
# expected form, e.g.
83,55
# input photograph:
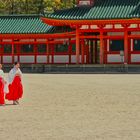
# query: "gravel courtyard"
74,107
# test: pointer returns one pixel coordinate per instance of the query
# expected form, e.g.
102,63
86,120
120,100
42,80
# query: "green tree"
33,6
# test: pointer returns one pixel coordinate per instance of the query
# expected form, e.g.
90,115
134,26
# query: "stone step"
76,68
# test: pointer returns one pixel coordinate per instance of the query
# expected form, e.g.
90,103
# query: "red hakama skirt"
2,101
15,89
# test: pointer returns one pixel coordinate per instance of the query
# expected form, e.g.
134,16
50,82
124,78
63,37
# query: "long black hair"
16,63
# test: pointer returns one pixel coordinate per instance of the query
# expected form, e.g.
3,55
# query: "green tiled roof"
27,24
102,9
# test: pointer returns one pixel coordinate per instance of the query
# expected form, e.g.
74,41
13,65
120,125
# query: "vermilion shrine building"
94,32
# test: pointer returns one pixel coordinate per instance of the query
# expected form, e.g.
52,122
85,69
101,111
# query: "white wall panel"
61,59
41,59
114,58
135,58
7,59
27,59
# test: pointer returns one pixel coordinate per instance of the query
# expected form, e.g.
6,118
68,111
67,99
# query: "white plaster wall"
27,59
61,59
135,58
135,33
15,58
7,59
114,58
73,59
41,59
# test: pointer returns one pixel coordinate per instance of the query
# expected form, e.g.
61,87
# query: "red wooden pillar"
35,50
101,48
87,53
18,52
82,50
53,47
52,52
129,50
125,44
101,43
2,49
95,52
105,51
12,51
50,48
48,51
77,46
70,50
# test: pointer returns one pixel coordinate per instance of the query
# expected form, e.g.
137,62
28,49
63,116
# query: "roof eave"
67,22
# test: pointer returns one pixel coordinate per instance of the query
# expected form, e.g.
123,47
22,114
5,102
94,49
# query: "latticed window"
73,47
136,44
27,48
116,45
61,48
41,48
8,49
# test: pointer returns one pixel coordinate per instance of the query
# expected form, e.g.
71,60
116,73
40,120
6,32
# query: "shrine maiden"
2,85
15,84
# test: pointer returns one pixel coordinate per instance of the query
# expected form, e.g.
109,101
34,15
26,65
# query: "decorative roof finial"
85,2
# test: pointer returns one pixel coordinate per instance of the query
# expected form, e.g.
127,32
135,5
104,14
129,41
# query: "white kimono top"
1,74
12,74
6,90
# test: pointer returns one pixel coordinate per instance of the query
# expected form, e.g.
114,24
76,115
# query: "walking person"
15,84
2,85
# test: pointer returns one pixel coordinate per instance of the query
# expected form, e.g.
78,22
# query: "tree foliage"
33,6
